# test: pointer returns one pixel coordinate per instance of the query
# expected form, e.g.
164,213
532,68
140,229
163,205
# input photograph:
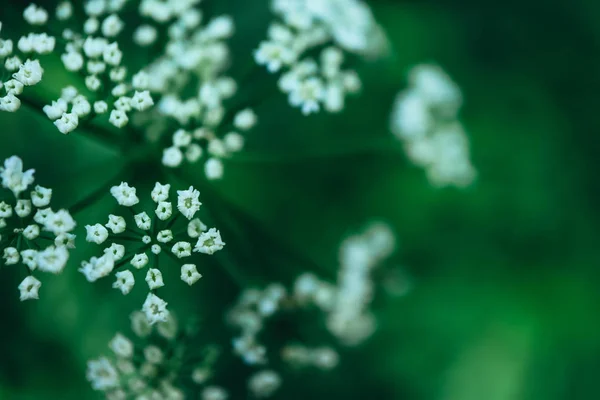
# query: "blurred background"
505,284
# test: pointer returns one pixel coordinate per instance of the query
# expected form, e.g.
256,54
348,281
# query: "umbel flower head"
31,233
425,119
141,239
154,365
344,305
193,119
329,26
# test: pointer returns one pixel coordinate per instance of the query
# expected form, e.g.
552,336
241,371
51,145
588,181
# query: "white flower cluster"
328,26
133,242
344,305
31,233
425,118
95,53
143,371
189,146
28,72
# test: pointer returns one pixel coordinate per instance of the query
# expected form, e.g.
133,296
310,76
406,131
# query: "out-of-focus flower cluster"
328,29
425,118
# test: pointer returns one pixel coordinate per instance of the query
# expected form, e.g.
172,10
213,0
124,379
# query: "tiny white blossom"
155,309
11,256
102,374
53,259
141,100
209,242
153,354
23,208
67,123
9,103
112,26
189,274
31,232
96,233
118,118
143,221
213,169
172,157
121,346
124,194
164,210
116,224
100,107
245,119
41,196
182,249
139,261
116,251
29,258
160,192
35,15
112,55
6,210
56,110
195,228
29,288
165,236
124,281
154,279
30,73
187,202
156,249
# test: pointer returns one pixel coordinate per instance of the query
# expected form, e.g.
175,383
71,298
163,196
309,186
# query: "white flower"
100,107
35,15
145,35
13,86
125,195
6,210
97,267
65,240
9,103
213,169
30,73
121,346
23,208
160,192
102,375
141,100
156,249
91,25
143,221
112,26
81,106
182,249
189,274
307,95
72,60
96,233
64,11
234,142
118,118
56,110
118,74
245,119
153,354
116,224
29,288
140,325
264,383
41,196
11,256
112,55
116,251
154,279
13,177
31,232
165,236
67,123
29,258
209,242
172,157
124,281
274,55
187,202
139,261
195,228
53,259
214,393
6,47
92,82
164,210
59,222
155,309
181,138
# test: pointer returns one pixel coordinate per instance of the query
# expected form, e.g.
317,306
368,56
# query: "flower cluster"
329,27
28,72
31,233
145,237
425,118
345,305
152,366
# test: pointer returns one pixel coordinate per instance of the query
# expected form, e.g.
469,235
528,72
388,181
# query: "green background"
505,292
